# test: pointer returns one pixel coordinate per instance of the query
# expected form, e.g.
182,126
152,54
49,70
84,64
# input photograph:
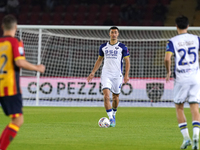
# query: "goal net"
69,54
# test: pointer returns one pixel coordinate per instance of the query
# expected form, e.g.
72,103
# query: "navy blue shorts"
12,105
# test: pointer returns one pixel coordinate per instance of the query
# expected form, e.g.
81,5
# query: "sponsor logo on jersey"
110,53
187,70
116,48
3,48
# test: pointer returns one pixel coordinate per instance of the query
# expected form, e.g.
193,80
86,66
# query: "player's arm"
167,60
127,68
96,67
22,63
125,54
20,60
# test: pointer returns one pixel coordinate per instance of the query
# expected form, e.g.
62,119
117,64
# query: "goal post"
70,52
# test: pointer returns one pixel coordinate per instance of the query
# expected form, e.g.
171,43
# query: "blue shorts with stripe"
12,105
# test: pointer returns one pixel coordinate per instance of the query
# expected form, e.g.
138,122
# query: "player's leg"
107,105
12,106
183,125
194,107
180,94
196,123
116,89
106,86
115,103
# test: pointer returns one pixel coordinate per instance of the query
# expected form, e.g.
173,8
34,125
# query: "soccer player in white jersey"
113,53
185,48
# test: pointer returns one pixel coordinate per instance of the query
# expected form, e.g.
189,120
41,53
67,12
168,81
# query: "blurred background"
101,12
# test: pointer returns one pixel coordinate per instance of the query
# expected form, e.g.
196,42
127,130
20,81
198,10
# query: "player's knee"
106,97
115,97
18,120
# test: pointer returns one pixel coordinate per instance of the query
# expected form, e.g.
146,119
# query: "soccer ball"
104,122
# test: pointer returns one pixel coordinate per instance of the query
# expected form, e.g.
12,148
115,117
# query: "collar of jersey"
113,44
182,33
6,36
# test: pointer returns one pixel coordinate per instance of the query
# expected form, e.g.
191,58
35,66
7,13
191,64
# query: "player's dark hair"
182,22
9,22
114,27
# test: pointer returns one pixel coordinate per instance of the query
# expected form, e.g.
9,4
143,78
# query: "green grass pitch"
76,128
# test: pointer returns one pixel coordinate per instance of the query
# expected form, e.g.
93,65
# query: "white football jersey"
113,59
185,48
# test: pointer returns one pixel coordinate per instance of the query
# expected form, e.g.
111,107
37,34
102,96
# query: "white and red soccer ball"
104,122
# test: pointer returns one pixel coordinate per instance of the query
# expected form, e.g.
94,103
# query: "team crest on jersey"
127,52
167,47
155,91
21,50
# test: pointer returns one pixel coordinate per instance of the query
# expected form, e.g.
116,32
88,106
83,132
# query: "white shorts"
113,84
183,92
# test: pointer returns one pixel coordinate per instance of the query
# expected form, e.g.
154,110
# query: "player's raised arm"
96,67
126,76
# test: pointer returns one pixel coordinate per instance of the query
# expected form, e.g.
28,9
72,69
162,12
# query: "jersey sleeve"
101,51
169,47
125,52
18,50
199,43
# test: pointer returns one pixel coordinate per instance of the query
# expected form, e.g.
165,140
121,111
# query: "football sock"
196,125
114,111
184,130
3,133
110,113
8,135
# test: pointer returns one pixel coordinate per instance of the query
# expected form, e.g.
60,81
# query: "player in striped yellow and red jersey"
12,58
10,49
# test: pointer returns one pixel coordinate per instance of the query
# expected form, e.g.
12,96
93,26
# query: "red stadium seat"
80,19
23,18
158,23
165,2
45,19
34,18
68,19
93,8
28,2
1,16
102,17
115,9
71,9
122,23
36,9
115,17
82,9
92,16
130,2
148,16
149,8
59,9
146,23
105,9
153,2
25,9
56,19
